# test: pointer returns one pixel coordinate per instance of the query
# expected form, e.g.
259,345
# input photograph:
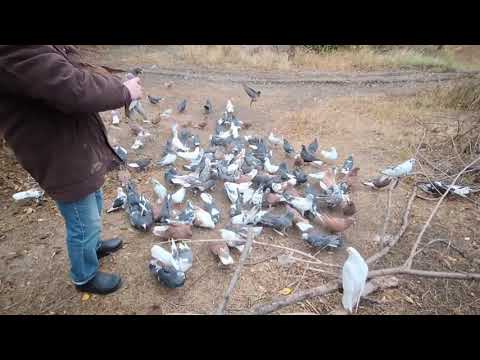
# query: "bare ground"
377,122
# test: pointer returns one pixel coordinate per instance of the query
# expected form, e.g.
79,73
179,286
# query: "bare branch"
236,275
387,215
408,262
400,233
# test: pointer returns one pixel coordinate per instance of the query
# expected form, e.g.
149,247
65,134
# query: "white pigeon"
167,159
230,107
301,204
176,143
179,195
138,144
115,118
234,130
190,155
271,169
166,113
233,239
231,190
159,190
203,218
330,154
304,226
354,277
164,257
403,169
318,176
275,140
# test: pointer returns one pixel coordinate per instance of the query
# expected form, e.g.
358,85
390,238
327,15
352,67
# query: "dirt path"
372,116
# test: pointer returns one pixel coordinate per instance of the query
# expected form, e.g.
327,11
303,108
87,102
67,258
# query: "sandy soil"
374,123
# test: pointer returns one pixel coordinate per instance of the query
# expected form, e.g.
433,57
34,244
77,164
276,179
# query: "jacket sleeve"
40,72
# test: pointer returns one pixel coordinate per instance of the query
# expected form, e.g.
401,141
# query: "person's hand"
134,87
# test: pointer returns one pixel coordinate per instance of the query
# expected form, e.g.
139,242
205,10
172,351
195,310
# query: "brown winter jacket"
49,104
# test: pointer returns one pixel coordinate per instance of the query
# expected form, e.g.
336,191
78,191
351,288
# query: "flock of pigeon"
261,192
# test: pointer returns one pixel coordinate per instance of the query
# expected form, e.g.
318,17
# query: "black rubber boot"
102,283
109,246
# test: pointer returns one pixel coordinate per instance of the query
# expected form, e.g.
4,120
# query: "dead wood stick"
299,296
387,214
449,246
408,262
256,262
336,284
424,273
317,261
236,275
400,233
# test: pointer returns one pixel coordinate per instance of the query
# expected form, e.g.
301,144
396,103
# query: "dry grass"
364,58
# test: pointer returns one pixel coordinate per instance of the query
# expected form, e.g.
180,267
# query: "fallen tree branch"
336,284
387,215
236,275
299,296
449,245
400,233
408,262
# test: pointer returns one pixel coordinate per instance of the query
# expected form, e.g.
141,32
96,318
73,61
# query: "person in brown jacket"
49,105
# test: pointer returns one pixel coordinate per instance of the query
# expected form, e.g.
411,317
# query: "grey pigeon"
321,240
166,210
306,155
300,176
253,94
119,202
313,147
207,108
278,222
140,165
170,174
154,99
288,148
182,106
187,216
121,152
347,165
167,275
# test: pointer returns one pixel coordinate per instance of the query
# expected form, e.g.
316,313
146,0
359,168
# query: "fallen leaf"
409,300
285,291
85,297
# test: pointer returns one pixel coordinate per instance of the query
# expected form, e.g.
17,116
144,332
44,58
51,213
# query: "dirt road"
373,116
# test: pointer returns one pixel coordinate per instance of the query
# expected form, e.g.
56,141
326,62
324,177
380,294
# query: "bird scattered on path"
403,169
222,252
379,182
313,147
182,106
154,100
253,94
207,108
331,154
322,240
119,202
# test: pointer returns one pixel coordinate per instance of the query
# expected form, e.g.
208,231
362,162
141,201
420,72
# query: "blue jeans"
83,225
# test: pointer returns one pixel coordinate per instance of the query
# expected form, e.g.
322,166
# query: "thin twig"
400,233
256,262
449,245
236,275
387,214
257,243
408,262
